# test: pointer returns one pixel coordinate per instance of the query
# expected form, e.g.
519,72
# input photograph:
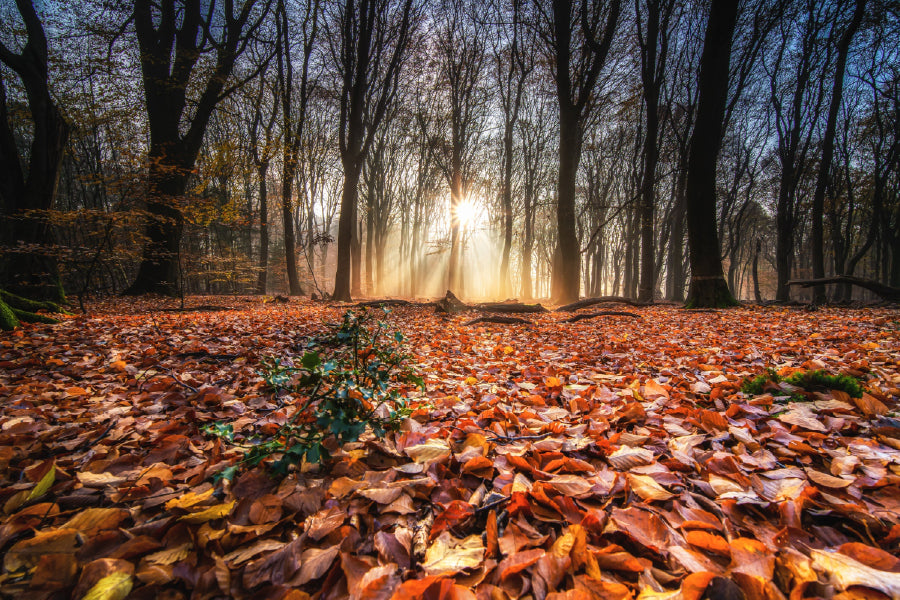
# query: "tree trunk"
757,295
651,83
159,269
290,240
675,262
262,279
346,225
356,259
506,204
454,281
27,265
567,264
708,287
370,234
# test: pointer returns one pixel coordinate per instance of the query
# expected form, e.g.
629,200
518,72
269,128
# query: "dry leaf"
647,488
448,555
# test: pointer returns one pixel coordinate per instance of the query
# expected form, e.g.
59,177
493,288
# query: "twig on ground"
602,313
501,320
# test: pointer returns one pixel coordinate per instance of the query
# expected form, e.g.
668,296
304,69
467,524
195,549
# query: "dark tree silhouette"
708,287
28,182
578,39
369,47
172,36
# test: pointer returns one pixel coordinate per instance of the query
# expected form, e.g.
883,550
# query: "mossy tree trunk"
15,310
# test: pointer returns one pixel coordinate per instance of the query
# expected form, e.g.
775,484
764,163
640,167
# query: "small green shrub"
346,382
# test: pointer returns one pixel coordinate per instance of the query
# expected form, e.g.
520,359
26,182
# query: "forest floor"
611,458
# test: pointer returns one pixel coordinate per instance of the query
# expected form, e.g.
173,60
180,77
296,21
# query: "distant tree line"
687,150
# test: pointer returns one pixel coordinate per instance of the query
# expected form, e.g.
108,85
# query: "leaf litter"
596,459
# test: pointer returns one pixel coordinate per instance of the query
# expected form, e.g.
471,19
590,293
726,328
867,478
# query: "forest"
450,299
497,149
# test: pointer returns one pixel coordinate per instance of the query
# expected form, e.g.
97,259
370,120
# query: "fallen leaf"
314,562
844,572
219,511
432,450
448,555
647,488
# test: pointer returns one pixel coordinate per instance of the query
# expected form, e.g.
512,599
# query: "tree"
293,118
818,203
461,47
369,48
578,39
28,181
173,36
654,47
708,287
514,64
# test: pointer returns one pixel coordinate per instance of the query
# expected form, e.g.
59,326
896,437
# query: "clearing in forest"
751,451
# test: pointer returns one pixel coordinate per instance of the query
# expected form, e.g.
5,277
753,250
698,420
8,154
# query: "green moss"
820,380
29,317
8,319
757,385
16,309
811,381
27,305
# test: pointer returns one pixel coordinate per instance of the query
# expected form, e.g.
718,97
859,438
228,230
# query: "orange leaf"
695,584
491,532
708,541
455,513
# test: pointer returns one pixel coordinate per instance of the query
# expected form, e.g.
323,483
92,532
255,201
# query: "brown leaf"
642,526
277,568
324,522
378,583
265,509
315,562
27,553
571,485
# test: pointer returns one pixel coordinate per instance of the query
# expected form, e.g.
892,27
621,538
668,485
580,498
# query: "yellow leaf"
43,485
433,449
218,511
169,555
508,350
448,555
471,380
647,488
188,500
112,587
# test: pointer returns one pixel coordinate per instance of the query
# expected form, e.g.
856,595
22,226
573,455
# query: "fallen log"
885,292
498,319
384,302
602,313
510,307
585,302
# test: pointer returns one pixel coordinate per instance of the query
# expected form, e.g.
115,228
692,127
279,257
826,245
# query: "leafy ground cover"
610,458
